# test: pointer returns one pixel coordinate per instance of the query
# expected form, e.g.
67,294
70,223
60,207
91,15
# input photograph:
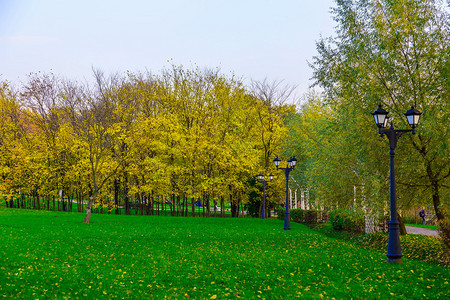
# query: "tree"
185,134
271,130
42,101
12,152
396,53
97,131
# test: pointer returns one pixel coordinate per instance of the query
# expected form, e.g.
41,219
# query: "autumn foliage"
137,141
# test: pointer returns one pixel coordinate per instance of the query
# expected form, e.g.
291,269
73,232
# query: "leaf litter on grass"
137,257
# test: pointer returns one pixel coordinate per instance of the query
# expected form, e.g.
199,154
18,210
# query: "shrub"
337,219
413,246
302,216
298,215
311,216
411,220
280,212
346,220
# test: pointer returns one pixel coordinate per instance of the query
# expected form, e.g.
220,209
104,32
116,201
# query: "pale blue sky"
254,39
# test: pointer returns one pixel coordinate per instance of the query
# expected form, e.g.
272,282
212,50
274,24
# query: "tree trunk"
234,208
238,206
64,203
182,205
401,224
435,188
152,202
157,207
222,206
208,205
203,205
163,204
437,202
38,202
173,207
116,196
79,201
136,204
127,199
176,210
87,218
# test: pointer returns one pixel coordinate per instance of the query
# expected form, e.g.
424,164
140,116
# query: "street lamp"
261,179
394,252
291,165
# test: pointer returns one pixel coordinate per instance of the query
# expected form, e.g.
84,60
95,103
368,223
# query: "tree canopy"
174,137
391,52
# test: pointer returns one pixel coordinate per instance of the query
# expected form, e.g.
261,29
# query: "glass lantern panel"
380,120
385,124
413,119
277,161
293,161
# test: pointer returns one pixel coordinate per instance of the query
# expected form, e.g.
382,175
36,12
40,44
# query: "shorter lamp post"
261,179
291,165
394,252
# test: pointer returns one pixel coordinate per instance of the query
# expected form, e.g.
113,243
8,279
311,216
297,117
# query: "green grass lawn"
54,255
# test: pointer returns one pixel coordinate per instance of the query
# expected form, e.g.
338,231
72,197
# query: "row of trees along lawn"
140,140
391,52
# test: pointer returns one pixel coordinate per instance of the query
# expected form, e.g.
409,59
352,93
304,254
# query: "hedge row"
303,216
424,248
413,246
345,220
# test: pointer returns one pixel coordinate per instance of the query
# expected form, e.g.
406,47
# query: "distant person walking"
422,215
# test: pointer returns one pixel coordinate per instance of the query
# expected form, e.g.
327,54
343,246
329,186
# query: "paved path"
424,231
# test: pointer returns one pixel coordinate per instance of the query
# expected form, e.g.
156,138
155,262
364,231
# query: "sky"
252,39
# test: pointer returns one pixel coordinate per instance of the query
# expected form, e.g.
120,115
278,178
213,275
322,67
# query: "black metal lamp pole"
264,182
394,252
291,165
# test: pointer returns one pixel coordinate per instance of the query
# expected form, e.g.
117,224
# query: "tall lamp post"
394,252
291,165
261,179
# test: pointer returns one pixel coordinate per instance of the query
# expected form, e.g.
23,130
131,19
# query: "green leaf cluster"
391,52
345,220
